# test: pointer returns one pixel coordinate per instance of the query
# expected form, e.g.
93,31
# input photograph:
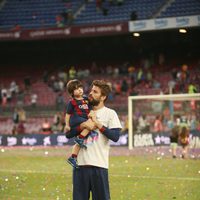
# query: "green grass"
31,173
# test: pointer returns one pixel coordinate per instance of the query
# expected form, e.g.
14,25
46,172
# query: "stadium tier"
32,125
57,13
114,13
182,8
126,80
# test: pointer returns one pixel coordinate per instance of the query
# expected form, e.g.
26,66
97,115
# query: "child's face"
78,92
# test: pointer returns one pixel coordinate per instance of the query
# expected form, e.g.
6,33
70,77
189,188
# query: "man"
92,174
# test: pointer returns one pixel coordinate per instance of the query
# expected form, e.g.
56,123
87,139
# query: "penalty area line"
115,175
31,171
159,177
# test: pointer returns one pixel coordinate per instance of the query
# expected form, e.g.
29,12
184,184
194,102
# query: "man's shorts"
92,179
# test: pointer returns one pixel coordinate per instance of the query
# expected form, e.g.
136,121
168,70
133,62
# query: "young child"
184,140
77,111
174,140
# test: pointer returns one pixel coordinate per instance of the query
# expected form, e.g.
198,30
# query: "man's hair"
72,85
104,86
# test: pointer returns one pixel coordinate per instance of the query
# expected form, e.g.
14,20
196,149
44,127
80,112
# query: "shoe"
73,162
80,142
174,156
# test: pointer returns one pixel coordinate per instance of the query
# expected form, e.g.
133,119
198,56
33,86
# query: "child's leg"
75,150
84,133
184,152
72,160
174,150
80,139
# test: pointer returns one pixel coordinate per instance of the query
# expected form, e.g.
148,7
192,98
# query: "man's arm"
112,134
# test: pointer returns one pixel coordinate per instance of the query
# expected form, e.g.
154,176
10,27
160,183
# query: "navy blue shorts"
88,179
76,120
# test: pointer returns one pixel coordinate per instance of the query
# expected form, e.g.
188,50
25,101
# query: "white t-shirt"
97,152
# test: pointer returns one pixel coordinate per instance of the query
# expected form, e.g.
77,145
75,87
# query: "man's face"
95,96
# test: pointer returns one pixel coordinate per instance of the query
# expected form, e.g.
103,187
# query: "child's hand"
89,125
92,115
67,128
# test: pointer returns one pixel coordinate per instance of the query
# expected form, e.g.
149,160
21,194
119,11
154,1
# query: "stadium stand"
47,94
92,15
57,13
182,8
35,14
32,125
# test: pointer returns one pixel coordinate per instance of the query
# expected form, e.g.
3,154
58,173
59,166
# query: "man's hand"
89,125
93,117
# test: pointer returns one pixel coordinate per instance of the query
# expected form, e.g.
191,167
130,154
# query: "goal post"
152,105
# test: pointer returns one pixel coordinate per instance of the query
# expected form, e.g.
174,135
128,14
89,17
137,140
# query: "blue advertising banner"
164,23
58,139
140,140
34,140
162,139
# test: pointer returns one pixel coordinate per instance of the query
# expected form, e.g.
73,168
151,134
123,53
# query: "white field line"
160,177
7,197
111,174
31,171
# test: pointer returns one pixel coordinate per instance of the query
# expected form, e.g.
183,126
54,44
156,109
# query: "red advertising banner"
103,29
67,32
10,35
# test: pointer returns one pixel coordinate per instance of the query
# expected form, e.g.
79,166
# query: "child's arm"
67,127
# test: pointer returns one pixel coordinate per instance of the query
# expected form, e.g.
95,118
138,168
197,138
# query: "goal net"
153,115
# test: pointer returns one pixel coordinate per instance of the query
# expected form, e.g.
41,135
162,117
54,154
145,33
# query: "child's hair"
72,85
104,86
184,135
184,132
